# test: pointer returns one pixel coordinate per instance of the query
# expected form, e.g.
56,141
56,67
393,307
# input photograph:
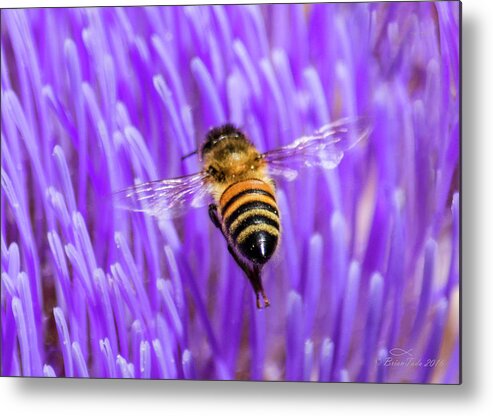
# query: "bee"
237,183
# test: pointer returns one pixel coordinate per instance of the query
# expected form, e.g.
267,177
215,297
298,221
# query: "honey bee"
237,181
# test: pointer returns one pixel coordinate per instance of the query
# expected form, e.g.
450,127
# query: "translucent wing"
325,148
167,198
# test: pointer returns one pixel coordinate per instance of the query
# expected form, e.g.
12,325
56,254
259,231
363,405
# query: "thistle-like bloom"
365,284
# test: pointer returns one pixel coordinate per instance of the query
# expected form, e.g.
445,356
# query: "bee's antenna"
190,154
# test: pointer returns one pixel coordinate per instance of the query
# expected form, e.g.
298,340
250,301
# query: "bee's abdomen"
251,219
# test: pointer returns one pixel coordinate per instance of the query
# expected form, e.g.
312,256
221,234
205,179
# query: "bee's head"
218,134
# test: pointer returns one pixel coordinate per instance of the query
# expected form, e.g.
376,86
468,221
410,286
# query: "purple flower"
365,284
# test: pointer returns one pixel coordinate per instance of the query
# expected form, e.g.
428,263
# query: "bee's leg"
253,272
258,279
213,215
254,276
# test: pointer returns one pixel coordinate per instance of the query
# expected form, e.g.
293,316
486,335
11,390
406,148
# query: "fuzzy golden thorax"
231,160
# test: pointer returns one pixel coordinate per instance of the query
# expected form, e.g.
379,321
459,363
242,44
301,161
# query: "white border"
474,397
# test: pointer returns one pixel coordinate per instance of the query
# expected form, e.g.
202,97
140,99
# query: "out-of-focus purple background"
365,284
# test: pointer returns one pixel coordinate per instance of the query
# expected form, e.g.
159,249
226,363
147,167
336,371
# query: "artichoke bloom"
365,284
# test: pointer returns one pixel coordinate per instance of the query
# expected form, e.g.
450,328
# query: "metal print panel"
244,192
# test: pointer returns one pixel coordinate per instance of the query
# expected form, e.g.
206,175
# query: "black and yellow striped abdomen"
250,219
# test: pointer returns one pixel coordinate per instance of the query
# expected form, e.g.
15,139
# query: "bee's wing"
167,198
325,148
